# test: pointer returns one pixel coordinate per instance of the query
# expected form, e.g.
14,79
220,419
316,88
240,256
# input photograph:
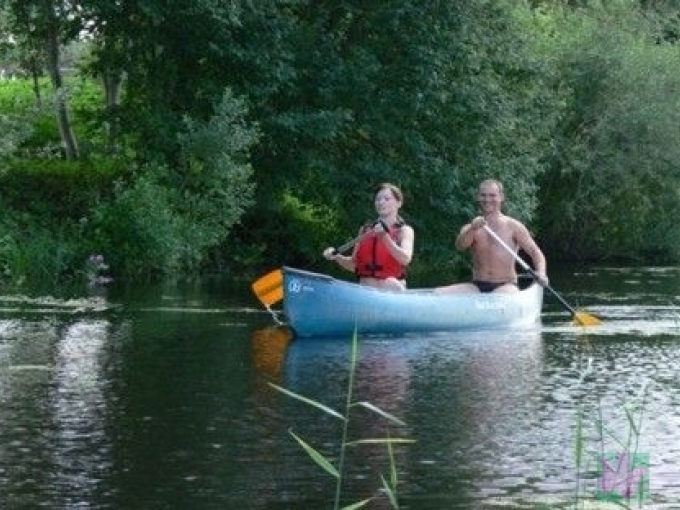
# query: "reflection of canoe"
319,305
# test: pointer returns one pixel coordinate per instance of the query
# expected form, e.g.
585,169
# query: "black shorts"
485,286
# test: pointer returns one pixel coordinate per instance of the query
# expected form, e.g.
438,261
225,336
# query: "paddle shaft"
528,268
350,244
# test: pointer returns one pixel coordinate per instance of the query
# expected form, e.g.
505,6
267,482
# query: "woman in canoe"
385,247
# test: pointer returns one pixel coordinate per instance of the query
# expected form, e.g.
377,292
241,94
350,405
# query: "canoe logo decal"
294,286
488,304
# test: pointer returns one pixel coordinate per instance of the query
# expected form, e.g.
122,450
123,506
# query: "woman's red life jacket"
374,260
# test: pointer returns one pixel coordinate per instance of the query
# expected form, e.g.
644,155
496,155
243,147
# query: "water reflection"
462,396
494,415
320,369
51,394
269,350
163,403
79,410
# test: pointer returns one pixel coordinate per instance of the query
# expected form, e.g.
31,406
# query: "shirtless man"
493,268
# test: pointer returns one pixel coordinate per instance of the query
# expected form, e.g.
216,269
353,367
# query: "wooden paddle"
579,318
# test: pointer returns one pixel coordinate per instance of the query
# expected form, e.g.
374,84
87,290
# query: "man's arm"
526,242
467,234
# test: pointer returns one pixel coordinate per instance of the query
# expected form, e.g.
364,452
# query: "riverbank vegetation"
183,137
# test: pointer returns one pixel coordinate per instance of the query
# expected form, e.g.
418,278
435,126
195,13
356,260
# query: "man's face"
490,197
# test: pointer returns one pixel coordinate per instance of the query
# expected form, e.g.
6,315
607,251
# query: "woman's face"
386,203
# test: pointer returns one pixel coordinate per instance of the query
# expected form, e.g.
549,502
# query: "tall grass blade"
316,456
377,410
390,493
354,354
394,479
606,431
631,419
309,401
578,440
381,440
359,504
578,449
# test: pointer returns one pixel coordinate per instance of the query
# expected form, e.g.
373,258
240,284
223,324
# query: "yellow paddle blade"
585,319
269,288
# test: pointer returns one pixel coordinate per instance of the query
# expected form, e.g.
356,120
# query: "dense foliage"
194,135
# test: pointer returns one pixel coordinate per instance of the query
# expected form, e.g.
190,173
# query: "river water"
158,397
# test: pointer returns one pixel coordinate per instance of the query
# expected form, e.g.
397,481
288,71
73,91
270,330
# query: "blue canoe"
318,305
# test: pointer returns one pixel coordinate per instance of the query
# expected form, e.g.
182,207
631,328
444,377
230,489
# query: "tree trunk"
36,82
112,81
68,138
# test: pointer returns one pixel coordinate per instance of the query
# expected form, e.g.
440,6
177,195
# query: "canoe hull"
320,305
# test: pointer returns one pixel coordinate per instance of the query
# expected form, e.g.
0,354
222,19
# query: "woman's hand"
380,228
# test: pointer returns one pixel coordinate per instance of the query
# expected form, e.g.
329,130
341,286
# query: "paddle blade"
269,288
585,319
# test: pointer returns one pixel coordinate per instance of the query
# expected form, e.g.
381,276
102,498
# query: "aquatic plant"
389,484
623,471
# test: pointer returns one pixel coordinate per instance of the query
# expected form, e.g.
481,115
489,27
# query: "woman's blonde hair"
396,192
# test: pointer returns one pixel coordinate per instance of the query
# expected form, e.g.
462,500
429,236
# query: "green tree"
431,96
40,27
217,187
612,189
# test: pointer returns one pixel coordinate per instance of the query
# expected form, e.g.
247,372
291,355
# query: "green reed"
388,485
622,475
